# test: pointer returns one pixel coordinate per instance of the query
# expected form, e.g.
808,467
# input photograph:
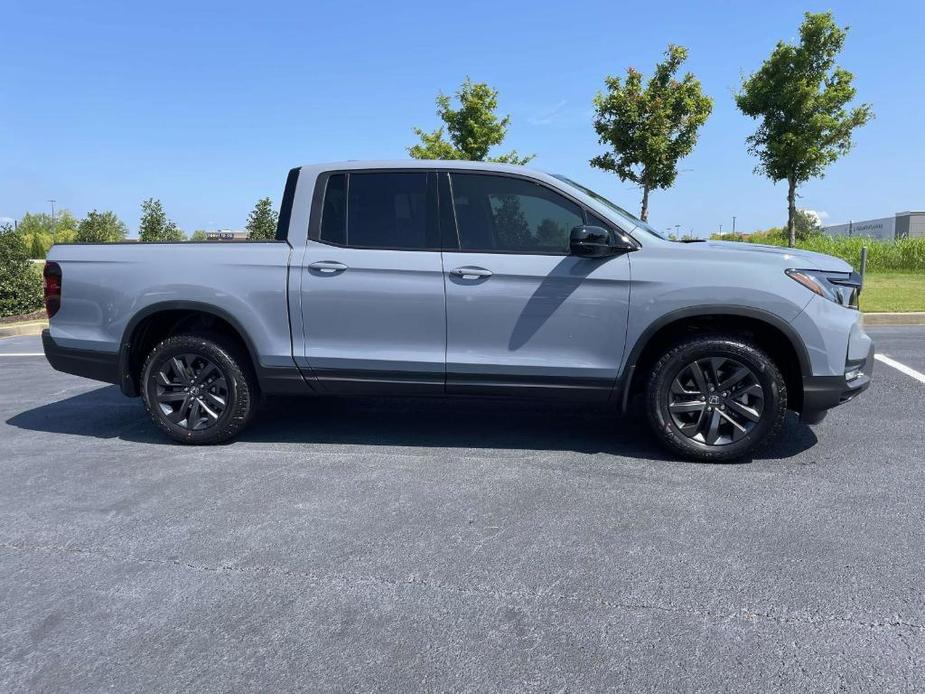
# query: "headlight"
841,287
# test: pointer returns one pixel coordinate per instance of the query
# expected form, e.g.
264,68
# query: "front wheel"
198,389
716,398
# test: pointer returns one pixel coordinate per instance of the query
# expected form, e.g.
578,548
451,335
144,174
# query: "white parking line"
22,354
917,375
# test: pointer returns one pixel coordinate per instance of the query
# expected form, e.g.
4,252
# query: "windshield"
597,197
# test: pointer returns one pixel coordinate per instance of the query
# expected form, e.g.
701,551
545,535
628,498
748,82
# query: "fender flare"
711,311
126,382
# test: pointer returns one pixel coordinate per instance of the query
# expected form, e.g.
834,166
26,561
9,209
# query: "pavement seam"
537,595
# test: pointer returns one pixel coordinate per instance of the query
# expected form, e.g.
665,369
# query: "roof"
420,164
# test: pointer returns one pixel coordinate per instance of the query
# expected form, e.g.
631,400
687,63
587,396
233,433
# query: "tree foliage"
155,226
101,227
198,235
806,224
62,228
37,247
39,230
473,128
20,286
261,222
648,129
800,97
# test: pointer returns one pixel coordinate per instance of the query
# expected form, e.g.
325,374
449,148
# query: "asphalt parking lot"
445,545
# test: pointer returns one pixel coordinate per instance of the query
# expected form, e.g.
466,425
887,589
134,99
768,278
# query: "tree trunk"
644,212
792,212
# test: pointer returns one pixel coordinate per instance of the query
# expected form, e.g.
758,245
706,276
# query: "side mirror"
590,242
597,242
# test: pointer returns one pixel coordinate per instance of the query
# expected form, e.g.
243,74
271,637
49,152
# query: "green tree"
261,222
37,248
648,129
101,227
65,227
800,97
805,225
198,235
36,223
20,284
60,229
473,129
154,225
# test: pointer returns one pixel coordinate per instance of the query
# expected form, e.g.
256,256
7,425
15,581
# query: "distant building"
227,235
900,226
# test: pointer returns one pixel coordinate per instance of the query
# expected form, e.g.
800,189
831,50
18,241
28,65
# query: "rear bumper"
821,393
99,366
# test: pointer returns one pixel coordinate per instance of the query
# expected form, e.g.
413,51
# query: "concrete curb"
908,318
34,327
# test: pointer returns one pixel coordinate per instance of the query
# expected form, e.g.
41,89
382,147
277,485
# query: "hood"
797,258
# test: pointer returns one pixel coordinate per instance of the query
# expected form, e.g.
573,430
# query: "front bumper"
821,393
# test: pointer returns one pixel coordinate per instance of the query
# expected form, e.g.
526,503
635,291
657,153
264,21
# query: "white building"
227,235
900,226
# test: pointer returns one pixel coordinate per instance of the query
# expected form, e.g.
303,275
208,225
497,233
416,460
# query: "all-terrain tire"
672,384
238,387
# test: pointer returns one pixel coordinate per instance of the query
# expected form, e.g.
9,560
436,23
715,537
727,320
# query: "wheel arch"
773,334
158,321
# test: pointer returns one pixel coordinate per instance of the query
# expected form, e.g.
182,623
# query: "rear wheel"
716,398
198,389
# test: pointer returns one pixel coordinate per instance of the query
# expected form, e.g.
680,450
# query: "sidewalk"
32,327
899,318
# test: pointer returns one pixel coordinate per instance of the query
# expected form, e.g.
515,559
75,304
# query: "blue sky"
206,105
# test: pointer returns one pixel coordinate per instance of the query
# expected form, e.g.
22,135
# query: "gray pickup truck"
463,278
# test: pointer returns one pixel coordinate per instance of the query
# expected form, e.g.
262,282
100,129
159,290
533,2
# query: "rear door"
372,292
524,316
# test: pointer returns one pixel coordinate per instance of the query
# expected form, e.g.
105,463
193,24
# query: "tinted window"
378,210
595,221
504,214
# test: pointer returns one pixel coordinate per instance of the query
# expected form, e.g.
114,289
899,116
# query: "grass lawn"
889,291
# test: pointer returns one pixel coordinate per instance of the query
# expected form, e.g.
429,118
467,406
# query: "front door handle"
328,267
468,273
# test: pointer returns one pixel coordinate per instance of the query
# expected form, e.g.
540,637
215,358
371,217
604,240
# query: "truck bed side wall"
105,286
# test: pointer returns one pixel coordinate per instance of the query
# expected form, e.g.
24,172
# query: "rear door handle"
471,272
329,267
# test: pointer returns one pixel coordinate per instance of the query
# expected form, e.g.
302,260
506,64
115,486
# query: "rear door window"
388,210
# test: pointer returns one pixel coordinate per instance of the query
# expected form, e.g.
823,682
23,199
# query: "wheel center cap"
714,400
194,390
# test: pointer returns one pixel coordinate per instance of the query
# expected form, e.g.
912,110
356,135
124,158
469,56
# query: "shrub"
904,255
20,285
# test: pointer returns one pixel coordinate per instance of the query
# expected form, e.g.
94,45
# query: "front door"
373,305
524,316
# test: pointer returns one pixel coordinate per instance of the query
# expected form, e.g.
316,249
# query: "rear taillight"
51,283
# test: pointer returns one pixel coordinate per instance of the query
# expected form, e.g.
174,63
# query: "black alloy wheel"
199,389
191,391
716,398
